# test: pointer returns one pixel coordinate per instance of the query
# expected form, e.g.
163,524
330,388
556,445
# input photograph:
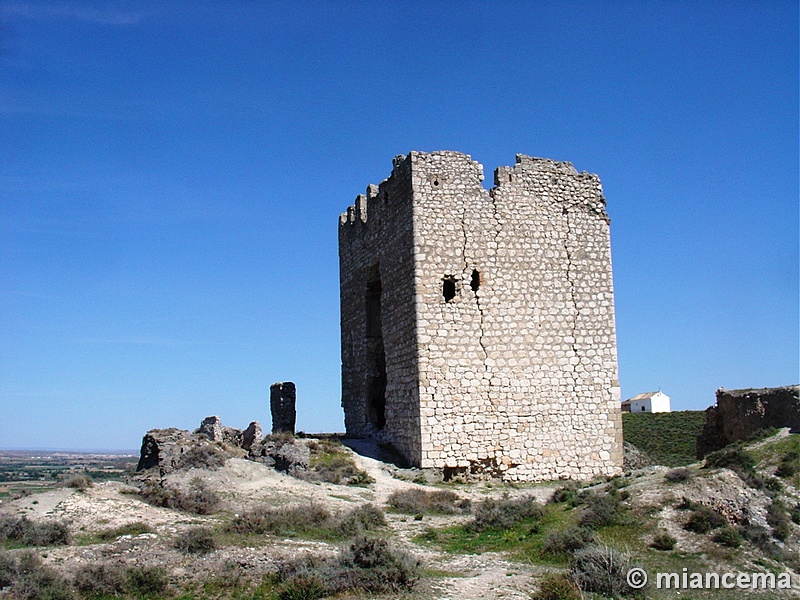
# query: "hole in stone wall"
435,183
475,281
373,300
375,392
449,288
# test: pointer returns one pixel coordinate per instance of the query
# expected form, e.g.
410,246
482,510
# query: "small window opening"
475,282
449,288
435,183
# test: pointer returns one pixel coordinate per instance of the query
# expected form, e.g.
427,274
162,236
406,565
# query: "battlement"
438,170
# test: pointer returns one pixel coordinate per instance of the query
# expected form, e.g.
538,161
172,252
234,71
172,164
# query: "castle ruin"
477,326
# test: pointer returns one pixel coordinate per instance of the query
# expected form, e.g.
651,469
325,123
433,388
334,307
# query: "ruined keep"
477,326
282,398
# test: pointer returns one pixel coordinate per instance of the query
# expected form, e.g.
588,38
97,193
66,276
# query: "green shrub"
100,579
202,456
366,517
21,531
280,521
778,520
504,513
308,519
29,579
369,565
146,581
8,569
758,535
678,475
789,465
602,570
727,536
664,541
795,514
197,498
557,586
704,519
415,501
303,586
601,510
80,482
567,541
566,494
330,462
198,540
374,566
731,457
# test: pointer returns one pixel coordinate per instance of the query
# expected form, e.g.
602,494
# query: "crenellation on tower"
478,326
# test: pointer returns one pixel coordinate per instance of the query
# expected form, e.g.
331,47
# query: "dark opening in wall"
373,300
475,281
449,288
376,356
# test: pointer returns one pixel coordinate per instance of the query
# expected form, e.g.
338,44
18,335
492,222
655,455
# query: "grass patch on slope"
669,438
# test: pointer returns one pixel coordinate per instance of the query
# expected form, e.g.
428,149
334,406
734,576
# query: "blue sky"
171,176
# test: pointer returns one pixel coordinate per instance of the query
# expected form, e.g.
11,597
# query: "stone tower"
477,326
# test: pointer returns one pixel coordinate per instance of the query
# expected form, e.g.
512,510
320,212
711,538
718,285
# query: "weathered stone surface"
740,413
478,326
635,458
251,435
172,449
282,397
213,428
162,448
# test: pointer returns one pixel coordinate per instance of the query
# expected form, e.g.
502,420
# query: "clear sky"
171,176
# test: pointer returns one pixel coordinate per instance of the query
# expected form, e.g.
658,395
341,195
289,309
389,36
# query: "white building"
654,402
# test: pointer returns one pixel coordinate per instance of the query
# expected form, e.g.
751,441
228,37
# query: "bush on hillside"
202,456
416,501
198,540
567,541
602,570
21,531
308,519
369,565
504,513
80,482
146,581
197,498
663,541
100,580
789,465
557,586
703,519
727,536
678,475
601,510
26,577
731,457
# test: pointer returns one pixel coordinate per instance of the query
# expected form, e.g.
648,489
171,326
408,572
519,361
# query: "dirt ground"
244,484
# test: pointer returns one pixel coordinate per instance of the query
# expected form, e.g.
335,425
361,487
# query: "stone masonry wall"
741,413
507,362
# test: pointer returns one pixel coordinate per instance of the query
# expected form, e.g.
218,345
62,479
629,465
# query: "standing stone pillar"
282,396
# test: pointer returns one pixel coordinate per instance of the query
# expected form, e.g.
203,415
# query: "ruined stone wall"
741,413
514,349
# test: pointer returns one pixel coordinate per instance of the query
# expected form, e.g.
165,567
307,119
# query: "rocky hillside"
311,518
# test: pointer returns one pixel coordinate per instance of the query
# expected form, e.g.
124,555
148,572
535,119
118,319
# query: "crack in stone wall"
571,281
